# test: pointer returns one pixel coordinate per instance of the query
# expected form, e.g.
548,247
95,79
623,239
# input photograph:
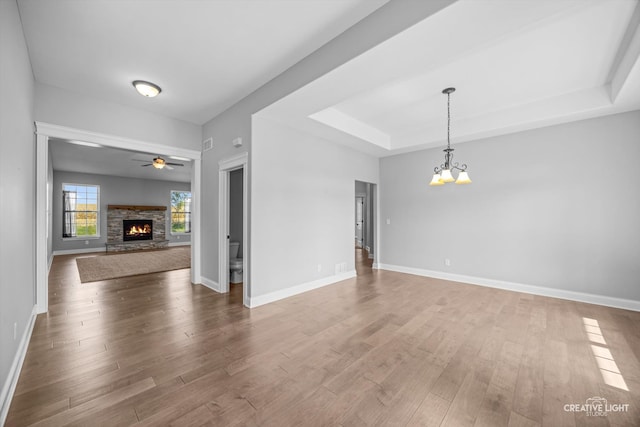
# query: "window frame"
188,214
97,212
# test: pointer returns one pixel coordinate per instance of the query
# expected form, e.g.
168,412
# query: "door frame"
371,220
44,131
226,166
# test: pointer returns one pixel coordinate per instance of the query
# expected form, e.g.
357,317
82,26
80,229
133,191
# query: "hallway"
364,265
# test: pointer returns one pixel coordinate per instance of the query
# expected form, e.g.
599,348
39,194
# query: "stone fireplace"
136,227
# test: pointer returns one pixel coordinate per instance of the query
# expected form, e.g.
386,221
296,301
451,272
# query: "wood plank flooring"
382,349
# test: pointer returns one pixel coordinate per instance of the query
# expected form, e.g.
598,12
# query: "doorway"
365,226
45,132
234,237
359,221
233,229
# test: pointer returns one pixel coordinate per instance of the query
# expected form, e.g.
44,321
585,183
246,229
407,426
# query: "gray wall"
303,196
113,191
17,187
556,207
361,187
61,107
235,208
387,21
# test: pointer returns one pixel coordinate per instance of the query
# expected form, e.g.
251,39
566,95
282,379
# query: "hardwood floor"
382,349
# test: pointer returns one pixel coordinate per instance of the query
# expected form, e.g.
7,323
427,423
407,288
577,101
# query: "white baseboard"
211,284
179,244
295,290
9,386
519,287
49,262
78,251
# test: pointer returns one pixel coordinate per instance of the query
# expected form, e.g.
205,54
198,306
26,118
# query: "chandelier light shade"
436,180
147,89
442,174
463,178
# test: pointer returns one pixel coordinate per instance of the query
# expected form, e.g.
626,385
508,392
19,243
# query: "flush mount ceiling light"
147,89
442,173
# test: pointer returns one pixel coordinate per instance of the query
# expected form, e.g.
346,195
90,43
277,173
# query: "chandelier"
442,174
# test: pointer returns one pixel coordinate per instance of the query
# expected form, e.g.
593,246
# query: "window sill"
81,238
180,234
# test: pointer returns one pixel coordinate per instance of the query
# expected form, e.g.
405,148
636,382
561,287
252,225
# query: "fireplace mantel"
137,207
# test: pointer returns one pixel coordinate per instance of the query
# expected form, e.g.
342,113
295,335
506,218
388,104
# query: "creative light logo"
596,407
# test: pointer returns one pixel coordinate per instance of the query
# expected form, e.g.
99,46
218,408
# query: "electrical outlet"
447,262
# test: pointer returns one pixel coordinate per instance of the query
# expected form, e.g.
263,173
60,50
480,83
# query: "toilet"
235,263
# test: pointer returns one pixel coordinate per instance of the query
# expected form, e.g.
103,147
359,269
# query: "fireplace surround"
120,219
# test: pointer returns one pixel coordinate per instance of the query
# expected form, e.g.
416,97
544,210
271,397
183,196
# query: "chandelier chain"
448,119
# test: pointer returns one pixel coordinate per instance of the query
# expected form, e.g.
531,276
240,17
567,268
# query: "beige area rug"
103,267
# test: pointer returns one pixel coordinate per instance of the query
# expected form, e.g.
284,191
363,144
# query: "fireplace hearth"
137,229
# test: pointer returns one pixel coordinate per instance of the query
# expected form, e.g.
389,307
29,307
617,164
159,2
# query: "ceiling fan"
159,163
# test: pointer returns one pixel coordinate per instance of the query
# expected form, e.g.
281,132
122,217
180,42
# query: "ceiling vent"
207,144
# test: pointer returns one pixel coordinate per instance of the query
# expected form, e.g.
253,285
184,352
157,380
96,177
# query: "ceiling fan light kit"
160,163
442,174
147,89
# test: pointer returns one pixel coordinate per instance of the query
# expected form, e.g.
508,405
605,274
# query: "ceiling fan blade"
167,167
148,164
174,164
138,160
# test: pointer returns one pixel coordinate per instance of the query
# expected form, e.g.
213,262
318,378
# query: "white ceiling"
206,55
69,157
516,65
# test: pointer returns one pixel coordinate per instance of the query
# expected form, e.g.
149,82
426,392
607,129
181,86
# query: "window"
180,212
80,210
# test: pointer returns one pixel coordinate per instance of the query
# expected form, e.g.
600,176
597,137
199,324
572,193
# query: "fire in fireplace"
137,229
